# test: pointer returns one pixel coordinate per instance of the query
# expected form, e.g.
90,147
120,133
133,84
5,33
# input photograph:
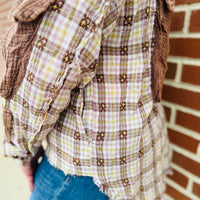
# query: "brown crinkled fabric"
16,49
17,43
161,48
29,10
7,120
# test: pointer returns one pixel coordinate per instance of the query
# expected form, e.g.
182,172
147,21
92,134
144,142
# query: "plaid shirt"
87,89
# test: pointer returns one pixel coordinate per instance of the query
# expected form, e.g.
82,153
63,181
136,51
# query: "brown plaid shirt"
87,88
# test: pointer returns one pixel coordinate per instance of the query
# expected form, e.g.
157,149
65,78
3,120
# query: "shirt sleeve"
64,56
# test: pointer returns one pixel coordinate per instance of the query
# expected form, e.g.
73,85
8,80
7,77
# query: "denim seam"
61,189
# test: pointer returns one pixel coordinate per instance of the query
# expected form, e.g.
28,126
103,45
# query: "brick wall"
181,98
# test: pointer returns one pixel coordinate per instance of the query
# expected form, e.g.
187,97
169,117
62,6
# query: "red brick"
191,74
186,163
171,71
189,121
167,113
175,194
187,47
181,96
179,178
194,21
196,189
183,141
177,21
179,2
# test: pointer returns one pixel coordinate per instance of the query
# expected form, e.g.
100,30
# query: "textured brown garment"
17,43
16,48
161,48
29,10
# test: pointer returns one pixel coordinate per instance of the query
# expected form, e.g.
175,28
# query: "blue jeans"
53,184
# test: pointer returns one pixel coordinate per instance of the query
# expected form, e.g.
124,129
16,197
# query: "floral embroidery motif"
123,135
68,58
74,109
141,153
57,6
77,136
140,104
123,106
85,22
59,152
76,162
124,51
25,104
145,46
100,136
105,187
100,78
93,66
100,162
41,43
155,110
128,20
30,77
123,160
24,126
102,107
141,188
125,182
123,78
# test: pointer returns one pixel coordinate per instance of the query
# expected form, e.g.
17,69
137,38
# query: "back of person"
88,90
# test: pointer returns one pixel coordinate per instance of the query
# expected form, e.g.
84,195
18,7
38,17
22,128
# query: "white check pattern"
87,89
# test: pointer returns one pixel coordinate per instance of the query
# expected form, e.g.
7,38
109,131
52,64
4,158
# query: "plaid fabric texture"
87,88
